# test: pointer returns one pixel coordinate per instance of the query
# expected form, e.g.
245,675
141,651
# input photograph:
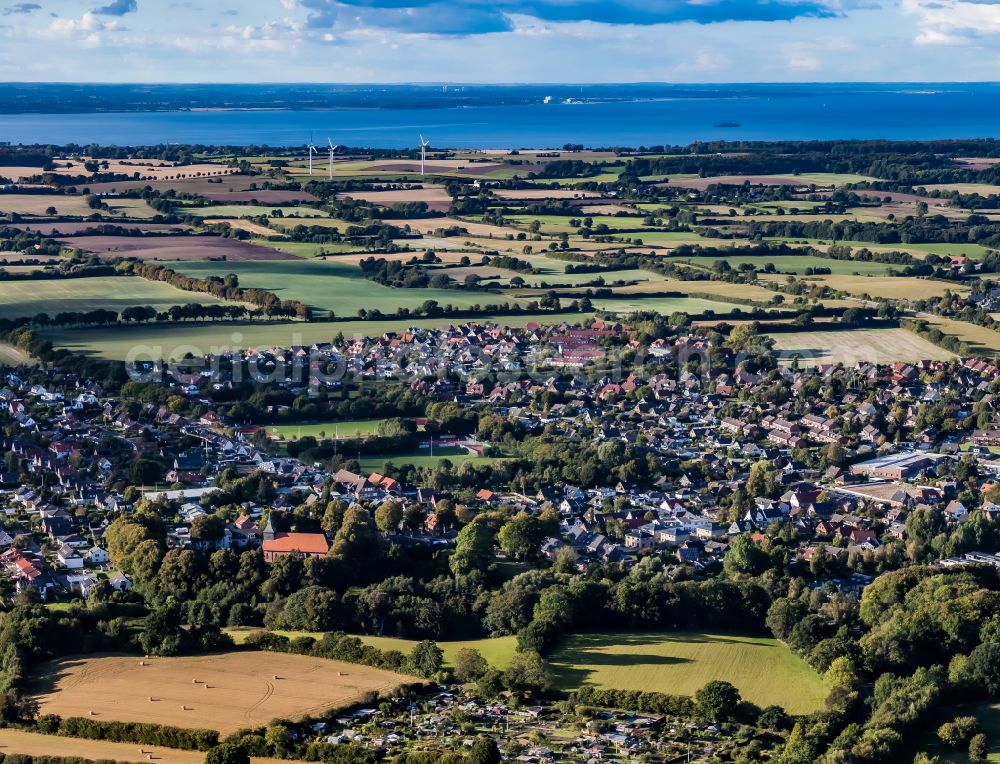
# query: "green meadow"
328,285
763,669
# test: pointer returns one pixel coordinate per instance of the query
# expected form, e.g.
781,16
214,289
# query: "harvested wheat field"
850,346
37,744
544,193
429,225
224,692
435,196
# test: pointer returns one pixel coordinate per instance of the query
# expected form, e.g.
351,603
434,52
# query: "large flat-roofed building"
900,466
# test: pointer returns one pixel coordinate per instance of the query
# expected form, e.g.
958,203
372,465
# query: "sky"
499,41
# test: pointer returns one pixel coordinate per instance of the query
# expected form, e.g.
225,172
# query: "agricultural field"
13,741
496,650
70,228
311,249
52,296
429,225
164,341
225,692
289,222
14,356
848,347
673,239
38,205
949,249
804,179
252,210
720,288
983,189
177,248
435,197
889,287
764,670
254,229
559,224
793,263
329,285
522,194
663,305
982,340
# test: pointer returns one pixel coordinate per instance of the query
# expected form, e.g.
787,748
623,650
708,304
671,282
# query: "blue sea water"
673,117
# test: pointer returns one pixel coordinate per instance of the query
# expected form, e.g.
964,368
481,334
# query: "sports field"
764,670
353,428
851,346
225,691
52,296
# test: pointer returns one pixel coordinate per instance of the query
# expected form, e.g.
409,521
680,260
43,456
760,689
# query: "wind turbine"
423,153
332,150
312,150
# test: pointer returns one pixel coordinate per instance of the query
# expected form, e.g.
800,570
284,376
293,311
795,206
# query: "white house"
97,555
69,557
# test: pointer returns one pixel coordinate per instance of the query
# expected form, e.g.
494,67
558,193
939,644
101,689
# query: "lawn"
764,670
329,285
225,692
52,296
851,346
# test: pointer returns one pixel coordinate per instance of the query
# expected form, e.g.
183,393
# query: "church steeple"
268,532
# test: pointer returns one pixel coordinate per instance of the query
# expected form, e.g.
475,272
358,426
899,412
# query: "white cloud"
88,29
953,22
